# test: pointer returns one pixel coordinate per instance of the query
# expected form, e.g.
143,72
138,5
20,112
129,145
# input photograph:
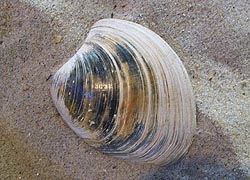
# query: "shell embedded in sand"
127,94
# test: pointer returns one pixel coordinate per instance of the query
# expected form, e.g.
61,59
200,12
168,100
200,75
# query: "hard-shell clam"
127,94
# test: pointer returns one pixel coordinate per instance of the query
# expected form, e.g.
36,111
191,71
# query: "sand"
37,37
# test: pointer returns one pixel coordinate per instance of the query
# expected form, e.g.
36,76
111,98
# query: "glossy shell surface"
127,94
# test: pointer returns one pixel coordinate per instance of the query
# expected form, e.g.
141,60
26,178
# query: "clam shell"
127,94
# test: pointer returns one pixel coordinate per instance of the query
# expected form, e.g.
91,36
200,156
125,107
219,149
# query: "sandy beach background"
212,38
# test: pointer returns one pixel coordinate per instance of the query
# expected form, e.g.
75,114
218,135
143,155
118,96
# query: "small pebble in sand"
62,123
123,5
57,39
26,87
210,77
243,83
196,66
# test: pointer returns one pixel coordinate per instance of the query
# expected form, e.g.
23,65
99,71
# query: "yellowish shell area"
127,93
